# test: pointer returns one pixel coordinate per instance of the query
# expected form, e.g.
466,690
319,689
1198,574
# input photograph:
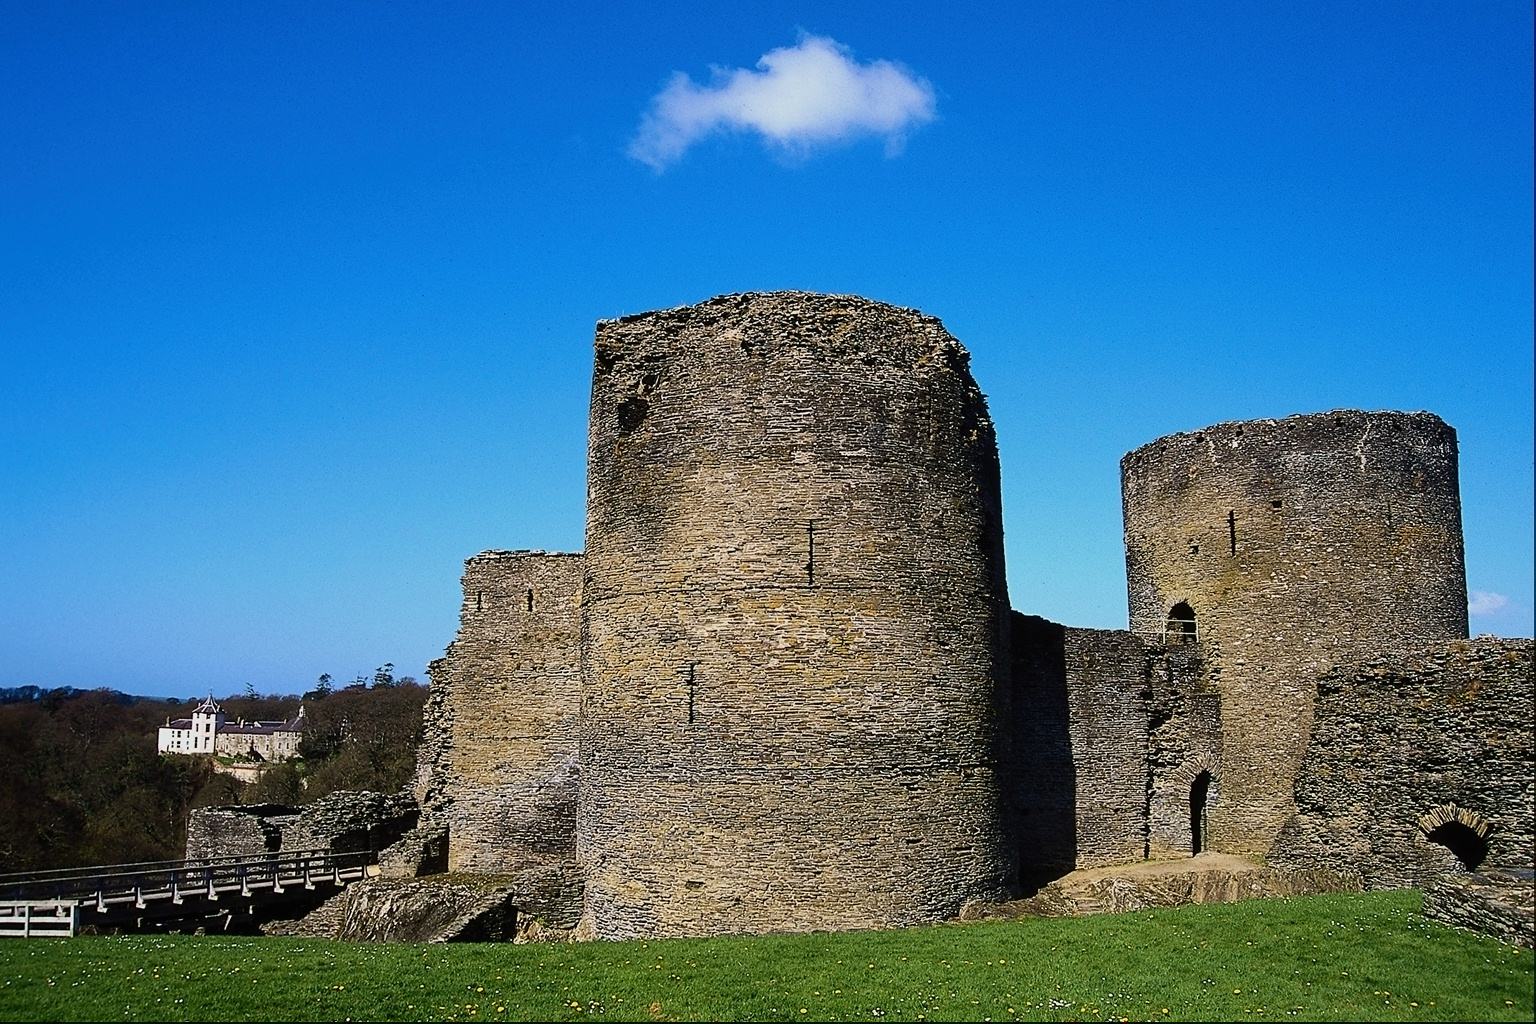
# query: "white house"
209,731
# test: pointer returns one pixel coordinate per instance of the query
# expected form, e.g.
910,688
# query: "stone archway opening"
1460,830
1199,796
1464,843
1182,628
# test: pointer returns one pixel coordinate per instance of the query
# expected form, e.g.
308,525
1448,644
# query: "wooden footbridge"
216,893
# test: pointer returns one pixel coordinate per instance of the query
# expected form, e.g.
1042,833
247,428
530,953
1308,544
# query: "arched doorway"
1181,628
1199,795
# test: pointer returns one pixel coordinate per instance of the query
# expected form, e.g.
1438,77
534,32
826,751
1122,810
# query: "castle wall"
1107,736
1106,685
1183,752
502,737
248,830
794,622
1394,738
1039,773
1297,543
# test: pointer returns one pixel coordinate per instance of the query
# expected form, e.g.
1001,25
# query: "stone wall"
1184,747
1107,738
1441,740
243,831
502,737
346,821
1296,544
1502,905
795,607
1107,687
351,821
1038,770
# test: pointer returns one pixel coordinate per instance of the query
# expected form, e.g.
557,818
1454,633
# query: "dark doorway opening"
1469,847
1181,624
1199,792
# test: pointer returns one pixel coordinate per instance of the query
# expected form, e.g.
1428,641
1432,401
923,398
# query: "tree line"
81,782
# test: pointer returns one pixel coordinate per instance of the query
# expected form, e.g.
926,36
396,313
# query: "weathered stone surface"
795,609
1396,739
542,903
1297,544
350,821
782,688
1210,878
324,922
503,735
241,831
443,908
1495,903
421,851
341,822
1184,751
1107,738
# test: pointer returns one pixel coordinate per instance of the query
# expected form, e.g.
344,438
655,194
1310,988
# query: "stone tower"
511,697
1285,546
793,619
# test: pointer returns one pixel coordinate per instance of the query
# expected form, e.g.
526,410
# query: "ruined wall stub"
794,613
1296,543
1406,750
506,770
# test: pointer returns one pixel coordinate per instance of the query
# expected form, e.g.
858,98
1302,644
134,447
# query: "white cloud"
1486,602
803,96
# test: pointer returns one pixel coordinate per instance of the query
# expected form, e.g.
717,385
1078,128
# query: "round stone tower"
793,612
1281,547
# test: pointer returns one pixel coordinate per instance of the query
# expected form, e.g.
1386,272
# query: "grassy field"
1347,957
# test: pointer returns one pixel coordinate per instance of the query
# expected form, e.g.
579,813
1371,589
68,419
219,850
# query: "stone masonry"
1110,741
511,690
1416,767
782,689
794,614
1294,544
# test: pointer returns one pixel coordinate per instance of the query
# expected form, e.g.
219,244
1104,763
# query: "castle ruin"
783,687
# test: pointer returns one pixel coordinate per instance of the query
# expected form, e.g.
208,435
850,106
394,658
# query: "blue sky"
297,300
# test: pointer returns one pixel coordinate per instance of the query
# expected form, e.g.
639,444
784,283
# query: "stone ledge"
1494,903
1149,885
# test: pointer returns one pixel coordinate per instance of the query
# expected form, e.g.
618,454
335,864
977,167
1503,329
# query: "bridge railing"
50,919
147,865
115,883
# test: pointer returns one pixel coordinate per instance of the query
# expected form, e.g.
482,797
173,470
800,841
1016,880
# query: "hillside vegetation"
81,783
1358,956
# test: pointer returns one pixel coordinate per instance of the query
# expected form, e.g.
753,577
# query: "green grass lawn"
1343,957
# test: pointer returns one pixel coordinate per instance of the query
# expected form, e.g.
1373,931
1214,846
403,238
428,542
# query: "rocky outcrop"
538,905
324,922
442,909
